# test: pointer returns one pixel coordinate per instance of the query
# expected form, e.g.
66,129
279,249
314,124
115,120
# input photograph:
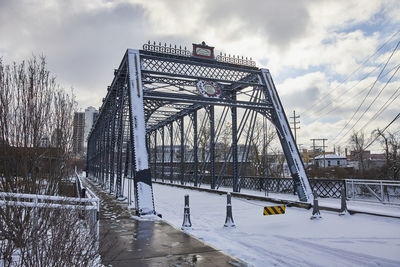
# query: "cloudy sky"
328,58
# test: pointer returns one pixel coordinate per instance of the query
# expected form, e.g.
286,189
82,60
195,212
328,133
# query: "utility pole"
295,122
313,149
323,147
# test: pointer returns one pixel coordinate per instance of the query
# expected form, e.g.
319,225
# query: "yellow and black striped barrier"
274,210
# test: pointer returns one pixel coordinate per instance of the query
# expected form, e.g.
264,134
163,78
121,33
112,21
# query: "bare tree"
358,144
391,146
263,158
203,141
224,142
35,144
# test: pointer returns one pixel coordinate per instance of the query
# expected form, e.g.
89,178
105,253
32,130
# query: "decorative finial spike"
180,47
149,42
170,45
175,46
159,43
154,42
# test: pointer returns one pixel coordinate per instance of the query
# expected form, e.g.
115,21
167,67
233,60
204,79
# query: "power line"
384,129
351,74
368,93
392,98
373,101
352,97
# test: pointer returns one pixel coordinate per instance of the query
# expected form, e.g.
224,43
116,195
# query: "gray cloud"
280,22
82,46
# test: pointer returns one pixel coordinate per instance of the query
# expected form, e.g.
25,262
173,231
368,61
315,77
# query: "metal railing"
324,187
90,204
378,191
381,191
80,190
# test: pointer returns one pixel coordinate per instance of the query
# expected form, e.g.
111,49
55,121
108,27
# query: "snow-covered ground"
291,239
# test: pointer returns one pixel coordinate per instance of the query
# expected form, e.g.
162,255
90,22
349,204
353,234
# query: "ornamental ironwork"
236,60
164,49
184,52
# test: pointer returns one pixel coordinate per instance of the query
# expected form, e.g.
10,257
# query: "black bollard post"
229,218
343,206
186,215
315,213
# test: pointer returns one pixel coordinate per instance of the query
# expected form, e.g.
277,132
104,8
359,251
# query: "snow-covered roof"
329,156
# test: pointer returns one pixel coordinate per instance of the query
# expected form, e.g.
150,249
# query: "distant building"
78,133
82,124
90,117
370,160
330,160
309,154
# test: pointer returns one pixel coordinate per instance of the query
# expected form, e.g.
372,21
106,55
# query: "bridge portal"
190,100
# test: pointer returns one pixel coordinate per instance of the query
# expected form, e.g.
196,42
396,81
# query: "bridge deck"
128,242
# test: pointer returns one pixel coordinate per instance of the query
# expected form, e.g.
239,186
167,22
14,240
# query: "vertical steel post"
195,149
107,178
99,177
88,155
120,141
112,148
155,155
234,147
182,149
104,154
126,166
143,184
171,152
212,147
162,154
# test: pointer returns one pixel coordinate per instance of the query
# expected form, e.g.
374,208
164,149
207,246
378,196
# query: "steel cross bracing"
155,118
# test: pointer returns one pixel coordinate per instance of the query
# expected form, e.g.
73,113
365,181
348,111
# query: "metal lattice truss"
181,126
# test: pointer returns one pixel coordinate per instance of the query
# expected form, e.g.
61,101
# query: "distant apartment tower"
90,117
78,133
83,122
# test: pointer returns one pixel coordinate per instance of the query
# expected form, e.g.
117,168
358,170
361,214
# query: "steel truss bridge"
166,111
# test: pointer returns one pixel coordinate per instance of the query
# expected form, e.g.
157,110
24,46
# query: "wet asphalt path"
125,241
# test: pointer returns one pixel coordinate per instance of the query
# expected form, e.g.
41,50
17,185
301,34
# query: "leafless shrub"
48,237
35,144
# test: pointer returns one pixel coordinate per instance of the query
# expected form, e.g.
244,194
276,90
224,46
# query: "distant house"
330,160
370,160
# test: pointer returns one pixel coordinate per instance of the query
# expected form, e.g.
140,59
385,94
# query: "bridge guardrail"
382,191
90,204
325,187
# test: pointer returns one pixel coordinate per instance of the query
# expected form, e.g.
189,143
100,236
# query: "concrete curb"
289,203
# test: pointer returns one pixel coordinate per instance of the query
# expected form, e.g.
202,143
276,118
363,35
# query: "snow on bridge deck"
284,240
